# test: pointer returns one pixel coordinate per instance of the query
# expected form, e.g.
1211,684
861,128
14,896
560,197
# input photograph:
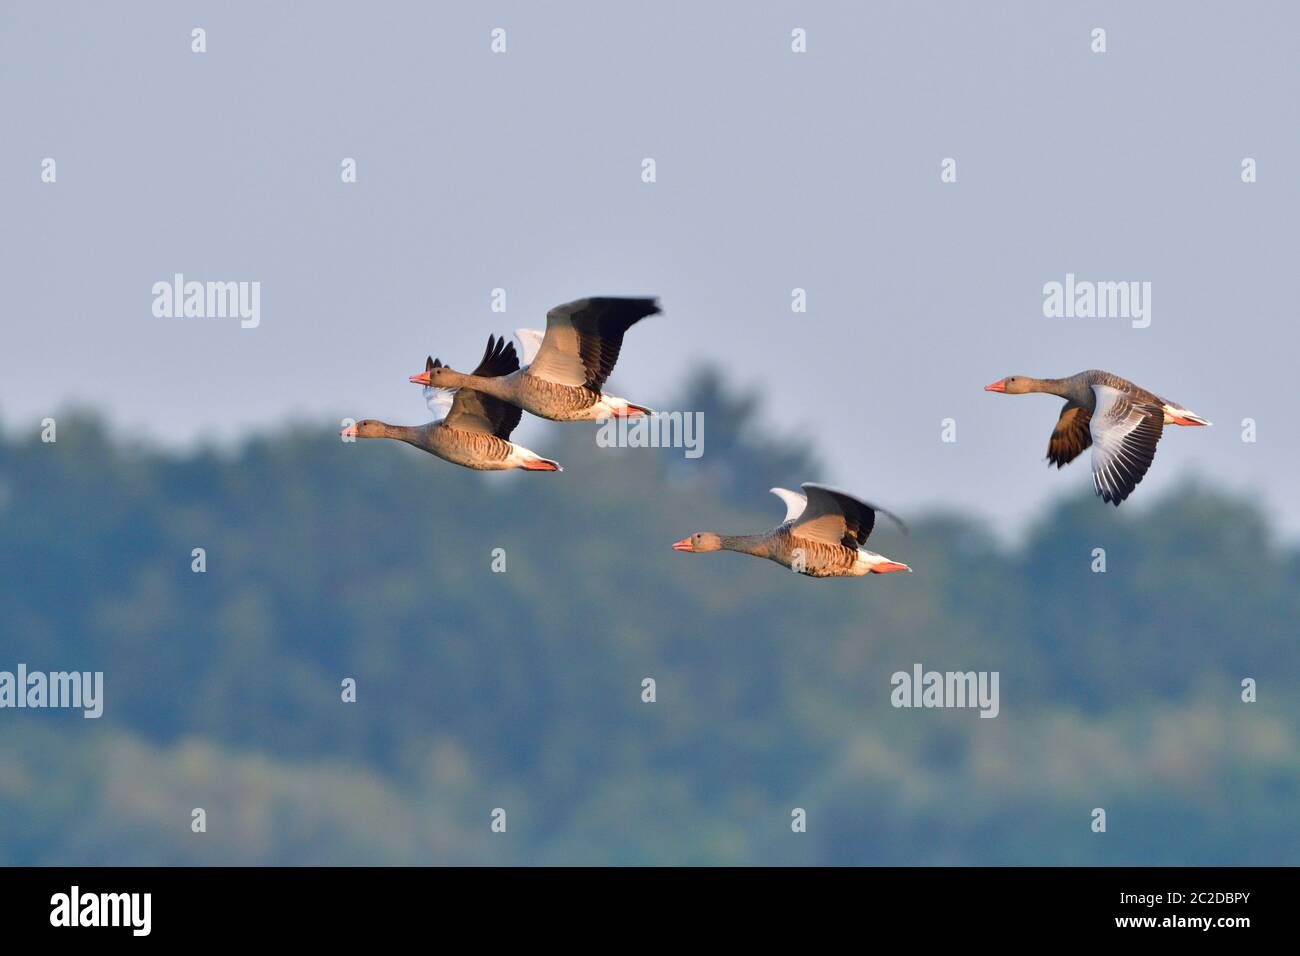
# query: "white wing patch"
1124,436
439,401
795,503
530,340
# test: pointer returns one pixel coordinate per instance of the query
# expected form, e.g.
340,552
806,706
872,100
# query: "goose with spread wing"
1121,421
822,536
565,367
470,428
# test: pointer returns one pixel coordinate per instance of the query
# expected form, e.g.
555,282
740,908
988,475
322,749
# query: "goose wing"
474,411
583,339
437,399
530,340
1124,432
794,502
1070,436
837,517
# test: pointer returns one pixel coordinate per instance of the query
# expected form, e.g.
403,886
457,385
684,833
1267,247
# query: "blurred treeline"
522,689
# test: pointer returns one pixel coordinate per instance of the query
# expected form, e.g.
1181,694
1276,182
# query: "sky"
775,170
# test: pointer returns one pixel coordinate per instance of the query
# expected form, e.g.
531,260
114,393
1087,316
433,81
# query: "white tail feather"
1173,412
868,561
521,457
612,405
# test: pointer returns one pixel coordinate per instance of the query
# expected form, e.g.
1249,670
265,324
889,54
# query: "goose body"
566,366
1121,421
821,537
470,428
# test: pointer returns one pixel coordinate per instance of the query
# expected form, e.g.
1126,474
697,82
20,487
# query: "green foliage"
522,690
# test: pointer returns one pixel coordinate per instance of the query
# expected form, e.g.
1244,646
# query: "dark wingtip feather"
628,310
499,358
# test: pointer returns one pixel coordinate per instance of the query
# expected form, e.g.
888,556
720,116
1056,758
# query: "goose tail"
1181,416
540,464
529,460
611,406
871,563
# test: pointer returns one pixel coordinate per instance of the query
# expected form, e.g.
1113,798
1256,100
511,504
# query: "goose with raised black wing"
470,428
822,536
1121,421
565,367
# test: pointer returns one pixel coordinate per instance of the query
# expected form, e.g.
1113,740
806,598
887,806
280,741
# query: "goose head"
437,375
700,542
367,428
1012,385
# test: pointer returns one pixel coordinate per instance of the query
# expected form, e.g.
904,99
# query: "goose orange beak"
684,545
998,386
349,432
422,379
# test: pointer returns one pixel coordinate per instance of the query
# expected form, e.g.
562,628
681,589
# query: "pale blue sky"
775,170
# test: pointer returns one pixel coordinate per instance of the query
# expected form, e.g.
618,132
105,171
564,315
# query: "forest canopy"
522,689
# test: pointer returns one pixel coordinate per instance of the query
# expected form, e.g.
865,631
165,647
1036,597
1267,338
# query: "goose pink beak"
422,379
349,432
998,386
684,545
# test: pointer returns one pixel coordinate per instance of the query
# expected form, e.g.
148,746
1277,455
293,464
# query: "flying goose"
1121,421
822,536
469,428
565,367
